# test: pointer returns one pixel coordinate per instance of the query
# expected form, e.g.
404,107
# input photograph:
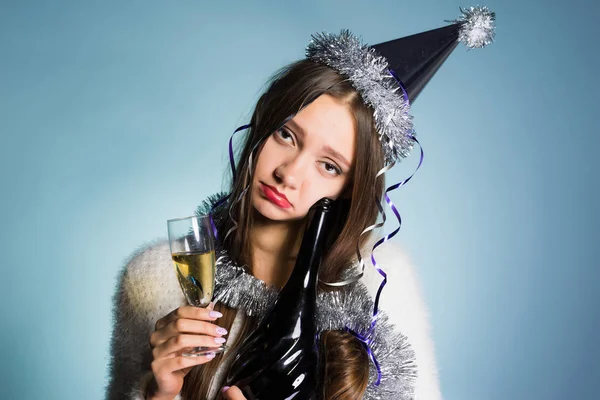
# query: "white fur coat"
148,289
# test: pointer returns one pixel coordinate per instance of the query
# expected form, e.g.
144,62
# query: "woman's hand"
232,393
183,328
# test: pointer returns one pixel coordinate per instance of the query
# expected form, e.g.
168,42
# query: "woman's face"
311,157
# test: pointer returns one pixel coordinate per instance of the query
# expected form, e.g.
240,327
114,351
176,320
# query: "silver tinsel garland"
235,288
369,74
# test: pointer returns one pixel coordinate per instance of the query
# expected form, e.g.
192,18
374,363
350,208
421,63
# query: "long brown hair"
290,90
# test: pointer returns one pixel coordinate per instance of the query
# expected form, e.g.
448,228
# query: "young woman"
329,148
327,126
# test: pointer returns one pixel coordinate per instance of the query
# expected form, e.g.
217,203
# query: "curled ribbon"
367,339
366,342
233,172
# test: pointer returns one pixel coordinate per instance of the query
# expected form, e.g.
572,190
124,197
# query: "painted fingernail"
222,331
210,355
215,314
220,340
225,388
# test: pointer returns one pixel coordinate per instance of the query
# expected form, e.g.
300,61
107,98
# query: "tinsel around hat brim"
370,75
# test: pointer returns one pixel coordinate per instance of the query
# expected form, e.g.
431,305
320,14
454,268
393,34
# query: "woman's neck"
274,247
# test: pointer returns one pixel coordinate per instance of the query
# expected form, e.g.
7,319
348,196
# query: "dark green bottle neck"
306,270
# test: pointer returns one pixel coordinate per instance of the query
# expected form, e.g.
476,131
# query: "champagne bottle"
279,360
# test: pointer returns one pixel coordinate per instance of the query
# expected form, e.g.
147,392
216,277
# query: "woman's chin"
266,210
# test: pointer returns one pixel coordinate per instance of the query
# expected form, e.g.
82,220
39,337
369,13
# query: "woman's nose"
290,172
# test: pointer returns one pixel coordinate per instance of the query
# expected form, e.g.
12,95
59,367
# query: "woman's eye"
285,135
331,169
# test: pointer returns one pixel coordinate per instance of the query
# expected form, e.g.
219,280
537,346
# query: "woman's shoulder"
147,281
147,255
402,296
403,302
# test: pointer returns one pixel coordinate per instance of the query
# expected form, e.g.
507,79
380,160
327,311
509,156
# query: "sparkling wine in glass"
193,252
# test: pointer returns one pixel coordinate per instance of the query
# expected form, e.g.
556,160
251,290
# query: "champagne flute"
192,245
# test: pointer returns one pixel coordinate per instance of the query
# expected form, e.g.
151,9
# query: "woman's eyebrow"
336,154
297,128
328,149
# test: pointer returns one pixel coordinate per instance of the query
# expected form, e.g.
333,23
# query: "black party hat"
415,59
378,72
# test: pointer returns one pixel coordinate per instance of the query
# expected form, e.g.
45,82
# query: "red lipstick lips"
274,196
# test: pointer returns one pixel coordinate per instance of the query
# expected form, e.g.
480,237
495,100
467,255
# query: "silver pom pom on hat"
390,75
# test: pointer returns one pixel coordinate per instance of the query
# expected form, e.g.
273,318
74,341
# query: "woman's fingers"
183,328
179,326
188,312
176,344
232,393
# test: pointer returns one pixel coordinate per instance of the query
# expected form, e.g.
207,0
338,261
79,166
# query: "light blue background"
115,115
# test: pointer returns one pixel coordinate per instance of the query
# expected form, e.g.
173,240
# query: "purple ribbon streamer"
390,235
367,340
233,171
401,84
231,158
